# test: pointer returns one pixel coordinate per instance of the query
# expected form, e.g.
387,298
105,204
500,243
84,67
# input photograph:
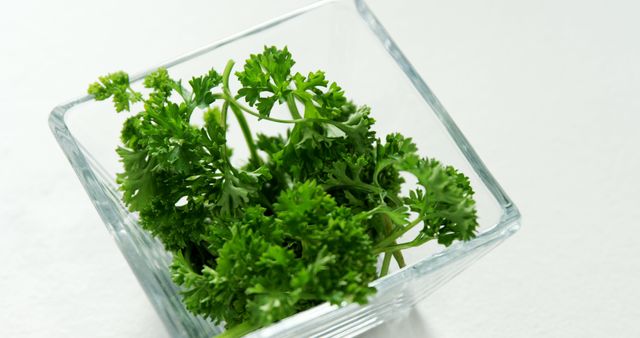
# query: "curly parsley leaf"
201,87
265,79
116,86
446,204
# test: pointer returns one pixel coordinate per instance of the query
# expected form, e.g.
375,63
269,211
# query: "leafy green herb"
304,221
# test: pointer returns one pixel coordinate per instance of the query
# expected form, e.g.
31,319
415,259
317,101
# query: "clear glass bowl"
345,39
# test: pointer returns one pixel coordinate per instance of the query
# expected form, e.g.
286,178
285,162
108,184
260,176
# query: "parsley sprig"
305,219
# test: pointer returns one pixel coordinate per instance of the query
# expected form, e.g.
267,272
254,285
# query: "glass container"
344,38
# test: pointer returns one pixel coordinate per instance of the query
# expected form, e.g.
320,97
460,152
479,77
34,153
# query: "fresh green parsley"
305,219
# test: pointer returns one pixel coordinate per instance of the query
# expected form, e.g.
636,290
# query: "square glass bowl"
344,38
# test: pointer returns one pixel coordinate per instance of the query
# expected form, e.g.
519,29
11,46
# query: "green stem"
397,255
228,98
385,264
293,108
268,118
239,330
244,126
226,74
374,210
401,246
223,112
397,234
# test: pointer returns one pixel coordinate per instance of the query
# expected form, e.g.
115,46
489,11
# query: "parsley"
304,221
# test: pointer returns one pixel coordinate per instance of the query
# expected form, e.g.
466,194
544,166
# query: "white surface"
547,91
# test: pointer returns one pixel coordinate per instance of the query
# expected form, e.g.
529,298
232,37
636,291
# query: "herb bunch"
304,220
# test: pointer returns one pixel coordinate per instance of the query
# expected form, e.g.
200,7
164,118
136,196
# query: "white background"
548,92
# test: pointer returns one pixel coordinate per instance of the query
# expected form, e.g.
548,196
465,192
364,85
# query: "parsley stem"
397,234
397,255
226,74
228,98
223,112
386,262
374,210
291,103
244,126
402,246
251,112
